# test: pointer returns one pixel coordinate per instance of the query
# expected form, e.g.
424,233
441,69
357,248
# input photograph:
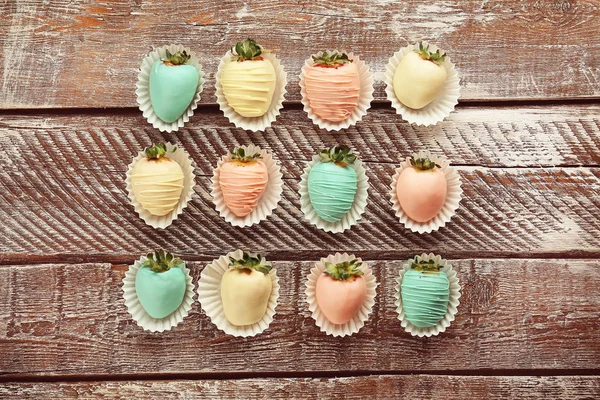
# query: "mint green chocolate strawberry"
332,183
425,294
160,284
173,86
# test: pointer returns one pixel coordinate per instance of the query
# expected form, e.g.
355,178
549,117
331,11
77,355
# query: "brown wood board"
65,54
65,191
70,320
382,387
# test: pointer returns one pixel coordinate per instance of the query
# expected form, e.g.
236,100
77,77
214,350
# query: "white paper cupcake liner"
140,315
182,158
209,296
452,301
143,88
352,216
268,201
254,123
439,108
364,100
453,195
358,321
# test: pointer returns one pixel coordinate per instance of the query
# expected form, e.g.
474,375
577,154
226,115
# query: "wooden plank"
70,320
52,204
69,53
505,136
372,387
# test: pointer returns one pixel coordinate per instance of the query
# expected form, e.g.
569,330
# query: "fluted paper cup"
143,88
181,157
453,301
140,315
352,216
453,195
359,319
209,296
254,123
364,99
268,201
439,108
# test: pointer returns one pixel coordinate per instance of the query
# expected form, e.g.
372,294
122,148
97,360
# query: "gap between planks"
296,105
7,260
224,376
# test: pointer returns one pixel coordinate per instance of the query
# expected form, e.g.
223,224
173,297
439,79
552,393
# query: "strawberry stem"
333,60
423,164
161,261
340,155
425,54
240,155
246,50
250,262
343,271
426,266
179,58
157,151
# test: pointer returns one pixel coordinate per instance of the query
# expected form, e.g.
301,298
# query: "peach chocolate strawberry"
332,86
243,180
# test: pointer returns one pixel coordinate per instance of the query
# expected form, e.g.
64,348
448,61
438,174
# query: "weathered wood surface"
499,136
64,189
87,54
415,387
514,314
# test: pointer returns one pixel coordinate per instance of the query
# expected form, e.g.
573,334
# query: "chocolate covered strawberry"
160,284
243,180
425,292
245,289
157,181
422,189
341,291
420,77
248,80
332,183
173,85
332,86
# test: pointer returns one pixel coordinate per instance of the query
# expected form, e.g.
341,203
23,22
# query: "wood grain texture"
69,53
514,314
415,387
65,192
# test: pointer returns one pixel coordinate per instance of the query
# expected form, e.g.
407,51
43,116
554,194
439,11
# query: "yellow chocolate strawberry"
248,80
157,181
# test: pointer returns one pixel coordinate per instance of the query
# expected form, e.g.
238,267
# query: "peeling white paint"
14,51
243,12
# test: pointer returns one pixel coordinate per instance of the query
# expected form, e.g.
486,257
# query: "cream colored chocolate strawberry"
248,80
422,189
332,86
420,77
157,181
341,290
243,180
245,289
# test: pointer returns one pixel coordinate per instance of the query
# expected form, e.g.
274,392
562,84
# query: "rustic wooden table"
526,240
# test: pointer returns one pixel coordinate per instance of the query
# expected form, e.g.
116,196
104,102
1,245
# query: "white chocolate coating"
418,82
157,184
245,295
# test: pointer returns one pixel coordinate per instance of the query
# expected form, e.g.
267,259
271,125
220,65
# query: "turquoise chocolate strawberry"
332,183
173,86
160,284
425,294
